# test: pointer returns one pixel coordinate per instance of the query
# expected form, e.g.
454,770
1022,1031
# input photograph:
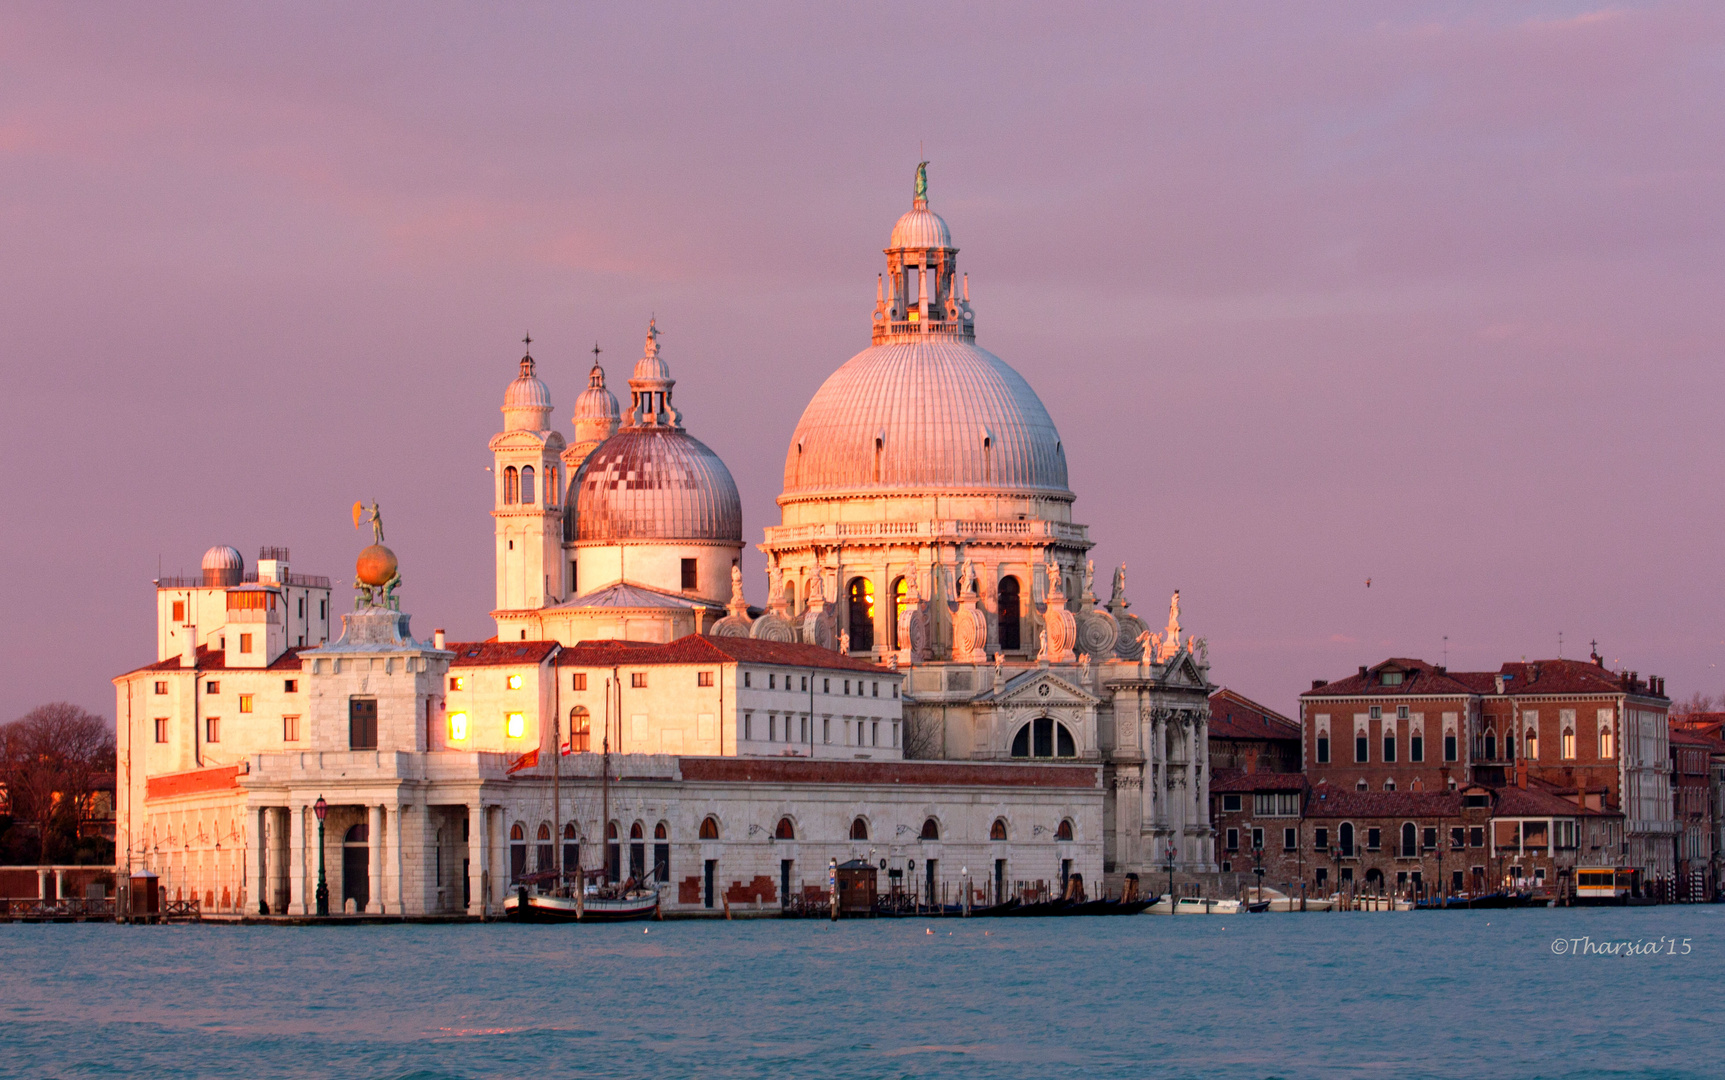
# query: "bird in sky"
1368,583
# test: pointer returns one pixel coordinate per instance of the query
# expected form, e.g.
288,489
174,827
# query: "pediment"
1043,688
526,440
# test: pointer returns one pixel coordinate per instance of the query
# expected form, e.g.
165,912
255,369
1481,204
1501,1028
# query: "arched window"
527,492
785,830
511,486
1375,878
661,853
861,615
997,831
1345,836
1607,745
791,597
1007,602
637,852
859,829
1531,743
1491,744
1044,737
930,830
899,594
547,854
580,730
571,850
613,853
710,828
1063,831
517,852
1410,840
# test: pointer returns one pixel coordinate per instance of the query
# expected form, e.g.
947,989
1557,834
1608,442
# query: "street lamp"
320,808
1258,864
1168,856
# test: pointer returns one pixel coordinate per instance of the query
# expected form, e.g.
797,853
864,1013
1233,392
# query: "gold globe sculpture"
376,566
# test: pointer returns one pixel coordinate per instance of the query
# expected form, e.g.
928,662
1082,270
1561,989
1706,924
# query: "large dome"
937,413
656,484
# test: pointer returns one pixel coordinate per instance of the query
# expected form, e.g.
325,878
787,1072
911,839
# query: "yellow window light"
514,682
517,725
457,726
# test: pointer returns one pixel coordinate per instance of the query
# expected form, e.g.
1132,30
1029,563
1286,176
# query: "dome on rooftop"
223,566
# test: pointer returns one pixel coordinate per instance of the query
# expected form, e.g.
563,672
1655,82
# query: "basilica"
929,678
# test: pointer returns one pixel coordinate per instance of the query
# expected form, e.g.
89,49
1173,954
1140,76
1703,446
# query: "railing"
1028,528
34,908
180,909
250,577
897,327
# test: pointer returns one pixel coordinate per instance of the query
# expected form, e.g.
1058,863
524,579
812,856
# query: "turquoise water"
1452,994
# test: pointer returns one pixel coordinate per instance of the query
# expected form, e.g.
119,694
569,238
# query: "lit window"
703,678
245,703
517,725
1569,746
161,687
457,726
638,680
290,729
514,682
161,729
179,611
456,682
212,729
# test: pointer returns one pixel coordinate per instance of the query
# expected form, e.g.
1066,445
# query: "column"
498,848
476,855
1159,755
42,883
1201,747
297,892
257,858
398,860
374,857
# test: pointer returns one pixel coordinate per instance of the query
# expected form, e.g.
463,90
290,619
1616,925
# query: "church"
930,682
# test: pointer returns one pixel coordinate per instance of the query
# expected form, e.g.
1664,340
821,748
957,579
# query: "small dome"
920,228
651,367
656,484
223,566
527,402
596,402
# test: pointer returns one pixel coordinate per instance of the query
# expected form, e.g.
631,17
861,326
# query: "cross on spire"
528,341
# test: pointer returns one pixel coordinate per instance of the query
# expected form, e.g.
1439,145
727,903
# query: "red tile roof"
1233,780
496,653
1420,678
1532,801
697,649
1533,677
216,660
1564,677
1235,716
1327,801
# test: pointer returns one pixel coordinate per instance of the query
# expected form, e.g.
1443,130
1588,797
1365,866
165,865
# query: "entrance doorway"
356,867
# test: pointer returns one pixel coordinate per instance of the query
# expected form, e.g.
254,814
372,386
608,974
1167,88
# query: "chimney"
189,648
1319,684
1362,671
1521,774
437,639
1442,670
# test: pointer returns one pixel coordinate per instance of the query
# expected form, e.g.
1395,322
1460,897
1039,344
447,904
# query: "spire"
921,199
527,356
650,387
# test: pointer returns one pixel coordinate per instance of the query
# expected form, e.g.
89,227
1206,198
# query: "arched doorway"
1345,837
861,608
546,855
356,867
1007,602
661,853
637,852
517,852
1410,846
571,850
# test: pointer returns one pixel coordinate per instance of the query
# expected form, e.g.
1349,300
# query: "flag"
563,748
526,761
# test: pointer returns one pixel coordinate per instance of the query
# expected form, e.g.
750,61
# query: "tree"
52,760
1695,704
924,738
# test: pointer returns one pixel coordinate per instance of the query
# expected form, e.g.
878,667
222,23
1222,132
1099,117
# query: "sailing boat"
592,899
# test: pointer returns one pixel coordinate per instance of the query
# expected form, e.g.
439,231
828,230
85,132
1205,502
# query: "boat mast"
605,780
557,793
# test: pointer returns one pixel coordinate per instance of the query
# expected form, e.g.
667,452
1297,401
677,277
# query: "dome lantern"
921,293
527,402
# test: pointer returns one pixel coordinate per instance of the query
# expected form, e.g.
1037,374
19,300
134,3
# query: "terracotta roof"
499,653
1235,716
216,660
1420,678
1564,677
1233,780
624,595
696,649
1328,801
1532,801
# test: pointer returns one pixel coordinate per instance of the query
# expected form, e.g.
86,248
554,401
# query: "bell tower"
527,504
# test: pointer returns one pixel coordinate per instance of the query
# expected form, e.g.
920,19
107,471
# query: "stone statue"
1174,619
375,516
922,181
1042,650
1089,577
845,642
999,658
1119,591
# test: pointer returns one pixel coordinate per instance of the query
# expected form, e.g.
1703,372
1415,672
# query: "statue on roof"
922,182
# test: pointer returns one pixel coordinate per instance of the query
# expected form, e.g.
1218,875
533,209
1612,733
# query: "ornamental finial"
922,185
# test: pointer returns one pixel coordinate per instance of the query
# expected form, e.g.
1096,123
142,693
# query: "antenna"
1560,644
1446,650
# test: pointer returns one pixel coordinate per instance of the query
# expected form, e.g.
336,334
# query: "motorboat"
596,905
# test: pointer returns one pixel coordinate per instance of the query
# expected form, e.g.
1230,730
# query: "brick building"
1569,728
1248,737
1692,798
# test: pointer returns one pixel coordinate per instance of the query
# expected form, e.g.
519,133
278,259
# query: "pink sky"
1428,294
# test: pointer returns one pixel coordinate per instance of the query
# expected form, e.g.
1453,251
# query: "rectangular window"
323,609
245,703
362,723
1347,873
703,678
1416,747
290,729
245,643
638,680
803,729
1233,839
1428,837
516,724
212,729
1257,839
1569,746
688,573
1376,712
875,692
895,690
1230,804
1290,839
874,734
161,687
895,732
772,682
772,727
749,725
456,682
161,729
290,686
1323,749
179,611
211,686
1476,836
826,686
1320,877
1401,712
1389,747
827,729
513,682
578,680
847,688
1449,747
1359,748
805,682
1390,678
1320,839
748,679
